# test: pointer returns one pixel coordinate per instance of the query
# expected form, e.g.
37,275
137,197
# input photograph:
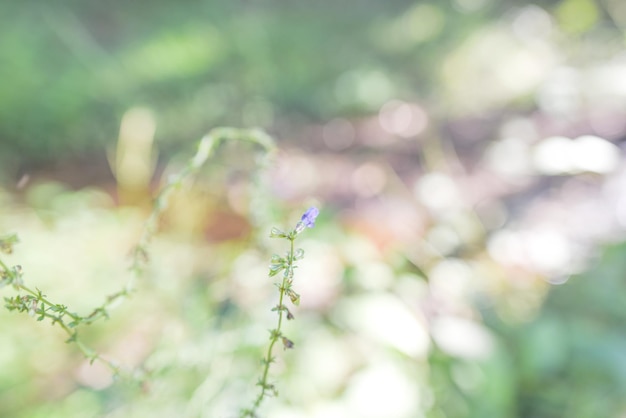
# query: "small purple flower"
308,219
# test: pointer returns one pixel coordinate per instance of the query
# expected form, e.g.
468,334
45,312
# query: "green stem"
86,351
275,335
41,298
4,266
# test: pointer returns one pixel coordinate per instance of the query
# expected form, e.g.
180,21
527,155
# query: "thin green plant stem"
4,266
276,334
206,147
38,304
287,266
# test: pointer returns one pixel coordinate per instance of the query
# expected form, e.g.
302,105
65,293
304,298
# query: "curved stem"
206,148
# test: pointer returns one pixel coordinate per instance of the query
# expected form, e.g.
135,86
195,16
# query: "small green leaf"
274,333
7,242
295,298
277,233
275,269
279,308
288,273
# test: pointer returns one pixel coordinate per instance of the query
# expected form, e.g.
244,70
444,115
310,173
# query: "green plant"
286,265
34,302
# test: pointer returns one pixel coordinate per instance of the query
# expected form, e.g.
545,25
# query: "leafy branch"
35,303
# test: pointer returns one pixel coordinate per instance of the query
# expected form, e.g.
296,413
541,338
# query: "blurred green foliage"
367,339
70,70
567,361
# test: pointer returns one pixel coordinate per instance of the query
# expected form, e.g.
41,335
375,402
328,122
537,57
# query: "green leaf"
58,308
277,233
7,242
275,269
276,259
295,298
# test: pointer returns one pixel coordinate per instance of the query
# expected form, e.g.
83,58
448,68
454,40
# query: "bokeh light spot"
577,16
387,320
369,179
462,338
437,191
509,157
365,88
403,119
382,391
595,154
422,22
553,155
470,6
588,153
532,22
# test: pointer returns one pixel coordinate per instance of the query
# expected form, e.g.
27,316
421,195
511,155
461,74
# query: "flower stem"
274,334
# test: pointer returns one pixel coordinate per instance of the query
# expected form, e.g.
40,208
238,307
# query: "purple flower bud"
287,343
308,219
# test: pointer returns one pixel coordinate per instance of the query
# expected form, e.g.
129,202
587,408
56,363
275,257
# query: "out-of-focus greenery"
71,70
200,321
467,158
567,361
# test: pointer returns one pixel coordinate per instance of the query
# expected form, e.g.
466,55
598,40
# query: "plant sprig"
35,303
286,265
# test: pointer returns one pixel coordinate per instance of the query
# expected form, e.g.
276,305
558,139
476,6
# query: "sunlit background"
467,157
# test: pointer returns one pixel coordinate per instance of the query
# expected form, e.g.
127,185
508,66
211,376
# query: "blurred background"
467,157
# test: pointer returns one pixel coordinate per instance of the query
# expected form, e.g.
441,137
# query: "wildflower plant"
35,303
285,265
